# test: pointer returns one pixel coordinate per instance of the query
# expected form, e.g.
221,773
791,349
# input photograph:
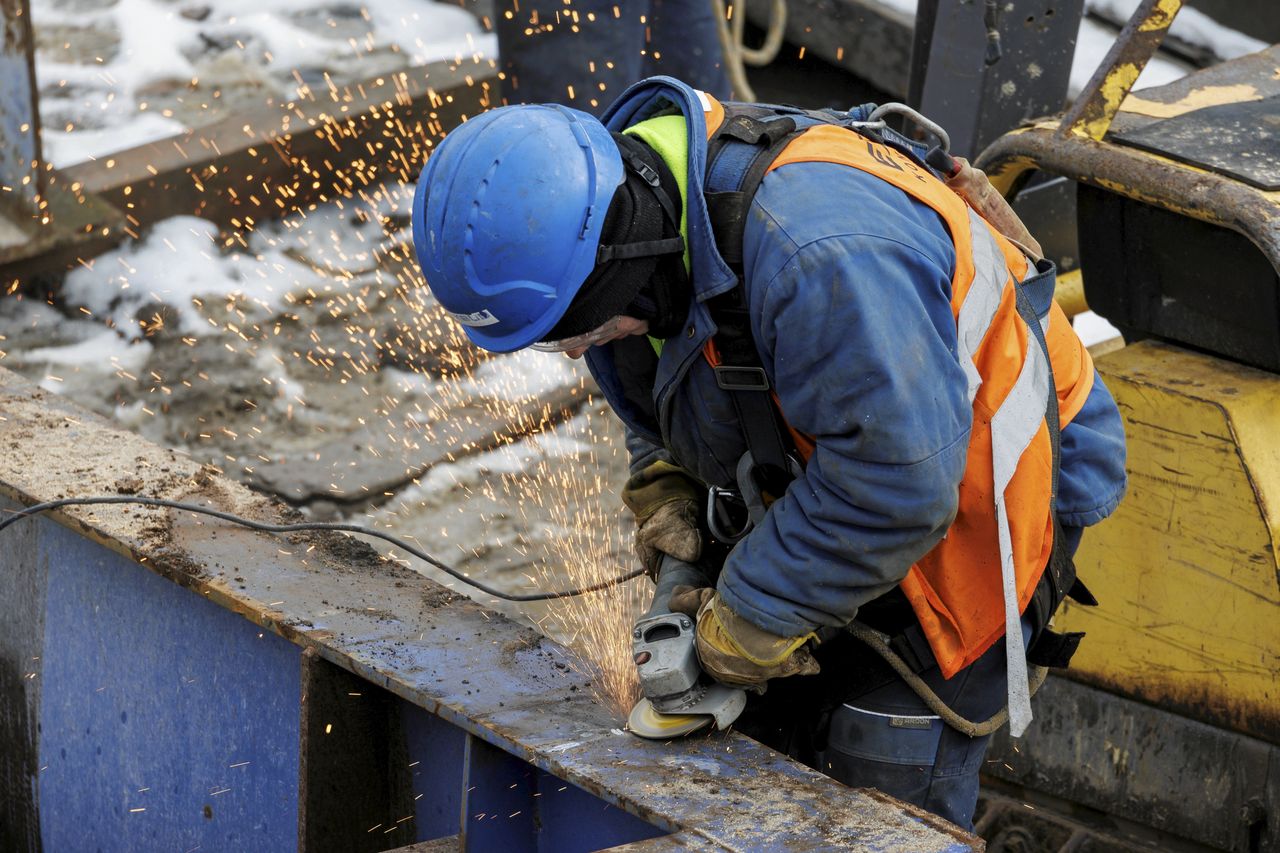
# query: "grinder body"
679,698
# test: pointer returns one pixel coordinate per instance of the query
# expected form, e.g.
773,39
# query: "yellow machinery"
1171,718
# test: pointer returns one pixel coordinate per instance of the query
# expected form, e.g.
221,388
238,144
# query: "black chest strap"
740,371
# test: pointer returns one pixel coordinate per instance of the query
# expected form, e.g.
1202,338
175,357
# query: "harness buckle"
736,378
646,173
728,519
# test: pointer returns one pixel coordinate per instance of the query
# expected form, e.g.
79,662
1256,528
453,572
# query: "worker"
583,55
792,311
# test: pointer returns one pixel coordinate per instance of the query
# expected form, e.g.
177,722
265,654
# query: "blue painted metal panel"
515,807
500,809
167,722
437,755
481,674
511,805
572,820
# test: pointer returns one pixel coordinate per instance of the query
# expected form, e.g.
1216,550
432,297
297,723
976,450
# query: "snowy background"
113,74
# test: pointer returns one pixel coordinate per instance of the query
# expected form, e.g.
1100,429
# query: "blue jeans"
886,737
586,63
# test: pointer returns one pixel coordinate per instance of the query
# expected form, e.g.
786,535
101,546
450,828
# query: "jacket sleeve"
858,333
1092,480
642,453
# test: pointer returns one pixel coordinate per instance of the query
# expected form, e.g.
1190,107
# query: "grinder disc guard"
648,723
718,704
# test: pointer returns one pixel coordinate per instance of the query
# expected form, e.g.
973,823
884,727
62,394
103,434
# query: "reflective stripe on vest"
972,587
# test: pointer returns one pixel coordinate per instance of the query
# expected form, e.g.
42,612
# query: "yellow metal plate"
1186,569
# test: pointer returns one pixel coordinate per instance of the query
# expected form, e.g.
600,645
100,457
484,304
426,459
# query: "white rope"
736,54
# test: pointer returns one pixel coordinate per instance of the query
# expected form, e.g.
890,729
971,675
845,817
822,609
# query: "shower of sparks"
587,550
294,346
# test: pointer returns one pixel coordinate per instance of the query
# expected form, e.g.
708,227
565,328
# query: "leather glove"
665,502
735,652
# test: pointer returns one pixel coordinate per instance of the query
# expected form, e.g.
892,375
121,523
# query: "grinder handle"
671,574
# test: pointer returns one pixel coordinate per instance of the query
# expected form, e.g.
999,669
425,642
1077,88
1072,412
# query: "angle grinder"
679,698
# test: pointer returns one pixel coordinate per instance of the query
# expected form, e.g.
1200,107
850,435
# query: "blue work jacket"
848,280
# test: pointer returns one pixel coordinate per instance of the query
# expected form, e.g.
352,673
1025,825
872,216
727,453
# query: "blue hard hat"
507,218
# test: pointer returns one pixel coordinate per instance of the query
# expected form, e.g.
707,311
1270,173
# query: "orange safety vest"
975,582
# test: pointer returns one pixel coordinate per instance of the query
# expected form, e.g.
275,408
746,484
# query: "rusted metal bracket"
1091,114
1150,178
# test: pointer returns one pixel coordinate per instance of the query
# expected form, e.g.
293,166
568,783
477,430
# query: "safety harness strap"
739,155
751,145
640,249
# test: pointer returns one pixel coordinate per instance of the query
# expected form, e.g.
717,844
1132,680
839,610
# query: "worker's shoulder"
818,205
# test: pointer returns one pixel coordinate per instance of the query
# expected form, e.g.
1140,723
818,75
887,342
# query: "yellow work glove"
735,652
665,501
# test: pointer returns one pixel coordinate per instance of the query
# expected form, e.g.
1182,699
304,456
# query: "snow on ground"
184,261
521,375
118,73
177,260
1093,329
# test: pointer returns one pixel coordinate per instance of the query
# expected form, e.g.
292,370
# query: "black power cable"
35,509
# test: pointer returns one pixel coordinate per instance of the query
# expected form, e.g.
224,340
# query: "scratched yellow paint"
1206,96
1161,16
1114,89
1186,569
1069,293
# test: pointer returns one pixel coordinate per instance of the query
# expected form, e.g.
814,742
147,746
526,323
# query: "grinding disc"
645,722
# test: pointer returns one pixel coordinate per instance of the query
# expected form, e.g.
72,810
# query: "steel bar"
1091,114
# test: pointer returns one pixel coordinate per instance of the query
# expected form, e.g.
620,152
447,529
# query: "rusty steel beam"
280,159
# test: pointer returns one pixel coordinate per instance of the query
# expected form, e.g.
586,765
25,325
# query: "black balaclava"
640,263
